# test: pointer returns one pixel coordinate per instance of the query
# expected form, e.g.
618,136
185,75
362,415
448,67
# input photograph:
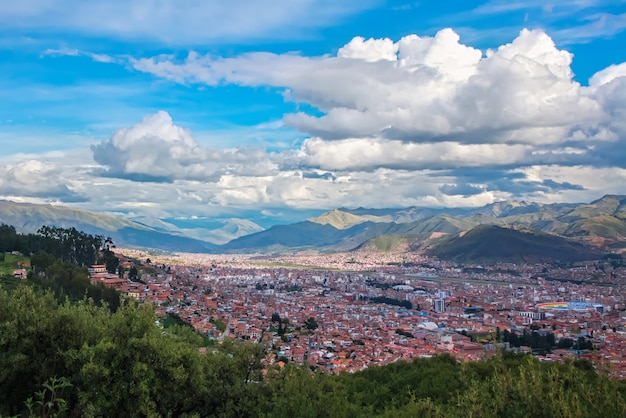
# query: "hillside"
601,223
439,223
306,235
608,205
344,218
28,218
490,243
218,231
340,219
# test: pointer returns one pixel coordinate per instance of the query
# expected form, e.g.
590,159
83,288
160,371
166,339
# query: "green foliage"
70,281
47,402
390,301
122,364
70,245
133,274
172,319
311,324
219,324
10,282
10,262
386,243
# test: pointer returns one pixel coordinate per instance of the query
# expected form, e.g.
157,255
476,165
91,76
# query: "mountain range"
599,225
560,231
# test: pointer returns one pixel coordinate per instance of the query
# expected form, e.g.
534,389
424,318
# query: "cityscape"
355,208
346,312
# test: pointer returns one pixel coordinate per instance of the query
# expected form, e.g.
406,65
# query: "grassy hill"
27,217
607,205
438,223
490,243
343,220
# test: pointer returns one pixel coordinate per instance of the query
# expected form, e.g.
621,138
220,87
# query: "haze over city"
277,111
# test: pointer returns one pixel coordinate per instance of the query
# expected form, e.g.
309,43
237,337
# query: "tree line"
66,244
58,257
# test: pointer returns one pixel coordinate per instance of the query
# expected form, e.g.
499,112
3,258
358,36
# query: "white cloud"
73,52
436,89
608,74
420,121
598,25
371,153
157,150
183,174
36,179
595,182
369,50
179,22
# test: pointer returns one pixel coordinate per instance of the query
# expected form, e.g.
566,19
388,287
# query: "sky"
278,110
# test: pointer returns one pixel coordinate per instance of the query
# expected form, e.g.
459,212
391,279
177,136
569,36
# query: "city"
346,312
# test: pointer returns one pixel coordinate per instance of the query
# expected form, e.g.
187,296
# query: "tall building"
439,305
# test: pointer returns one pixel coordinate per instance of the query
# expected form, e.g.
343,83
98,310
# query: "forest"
75,353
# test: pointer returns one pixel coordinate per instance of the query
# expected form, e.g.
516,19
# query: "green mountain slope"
490,243
607,205
601,223
438,223
343,220
28,218
307,235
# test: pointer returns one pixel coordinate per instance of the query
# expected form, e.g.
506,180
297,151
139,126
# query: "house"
19,273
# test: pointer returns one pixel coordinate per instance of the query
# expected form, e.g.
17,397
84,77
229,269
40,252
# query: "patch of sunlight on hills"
344,220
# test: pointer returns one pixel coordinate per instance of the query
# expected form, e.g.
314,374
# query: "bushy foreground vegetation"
78,359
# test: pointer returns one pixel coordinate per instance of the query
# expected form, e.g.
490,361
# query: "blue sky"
275,111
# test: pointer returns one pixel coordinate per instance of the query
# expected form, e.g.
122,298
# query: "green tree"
311,324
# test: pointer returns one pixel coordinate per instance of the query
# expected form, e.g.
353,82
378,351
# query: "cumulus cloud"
608,74
157,150
370,49
37,179
579,183
419,89
437,107
422,121
461,189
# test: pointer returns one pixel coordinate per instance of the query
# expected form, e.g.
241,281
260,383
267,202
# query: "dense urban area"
345,312
87,329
